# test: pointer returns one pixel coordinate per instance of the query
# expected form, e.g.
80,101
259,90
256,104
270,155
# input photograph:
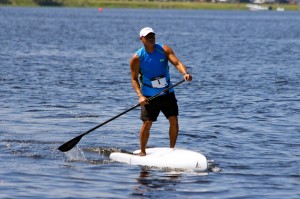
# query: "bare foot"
142,154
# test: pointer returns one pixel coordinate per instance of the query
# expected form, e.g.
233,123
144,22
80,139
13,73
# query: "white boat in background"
280,9
253,7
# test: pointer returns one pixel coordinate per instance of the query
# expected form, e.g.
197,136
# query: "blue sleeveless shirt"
153,65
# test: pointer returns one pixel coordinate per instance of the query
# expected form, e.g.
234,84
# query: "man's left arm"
177,63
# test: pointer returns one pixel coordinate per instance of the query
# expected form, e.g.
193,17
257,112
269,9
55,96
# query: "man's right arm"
135,69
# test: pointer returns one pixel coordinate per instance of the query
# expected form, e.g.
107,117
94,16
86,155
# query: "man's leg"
173,131
144,136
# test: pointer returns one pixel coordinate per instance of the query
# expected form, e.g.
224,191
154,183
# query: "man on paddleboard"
150,65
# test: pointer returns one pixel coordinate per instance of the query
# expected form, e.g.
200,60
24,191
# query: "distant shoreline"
149,4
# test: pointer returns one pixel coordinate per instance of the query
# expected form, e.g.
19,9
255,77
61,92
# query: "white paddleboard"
163,157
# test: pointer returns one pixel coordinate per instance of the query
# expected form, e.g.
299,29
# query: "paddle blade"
70,144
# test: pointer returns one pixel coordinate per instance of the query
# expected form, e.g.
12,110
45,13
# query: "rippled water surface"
65,70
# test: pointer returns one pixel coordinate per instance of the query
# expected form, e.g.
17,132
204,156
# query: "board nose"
201,165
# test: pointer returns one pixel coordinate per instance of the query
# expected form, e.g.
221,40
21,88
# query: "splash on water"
75,154
213,166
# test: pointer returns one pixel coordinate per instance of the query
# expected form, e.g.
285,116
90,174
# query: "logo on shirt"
161,60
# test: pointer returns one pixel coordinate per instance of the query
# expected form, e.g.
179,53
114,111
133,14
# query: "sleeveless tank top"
153,70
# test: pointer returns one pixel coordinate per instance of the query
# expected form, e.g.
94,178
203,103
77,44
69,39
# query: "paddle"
70,144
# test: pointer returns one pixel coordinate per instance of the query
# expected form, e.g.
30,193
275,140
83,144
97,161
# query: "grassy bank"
163,5
150,4
176,5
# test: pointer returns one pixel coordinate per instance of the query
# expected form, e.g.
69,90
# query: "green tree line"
38,2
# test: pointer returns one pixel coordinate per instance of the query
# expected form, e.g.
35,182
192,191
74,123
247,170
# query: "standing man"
151,64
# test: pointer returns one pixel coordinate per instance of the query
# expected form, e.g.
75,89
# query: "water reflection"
151,181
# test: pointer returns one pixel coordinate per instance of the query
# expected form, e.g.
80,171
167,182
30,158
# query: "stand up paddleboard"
163,157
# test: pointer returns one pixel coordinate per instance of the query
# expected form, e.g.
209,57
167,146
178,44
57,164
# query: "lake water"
66,70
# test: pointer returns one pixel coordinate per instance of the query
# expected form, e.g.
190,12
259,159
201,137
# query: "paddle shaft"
135,106
70,144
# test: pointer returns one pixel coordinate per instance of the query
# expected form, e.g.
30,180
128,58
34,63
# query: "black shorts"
165,103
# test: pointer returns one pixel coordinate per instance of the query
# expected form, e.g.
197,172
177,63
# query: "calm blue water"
64,71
